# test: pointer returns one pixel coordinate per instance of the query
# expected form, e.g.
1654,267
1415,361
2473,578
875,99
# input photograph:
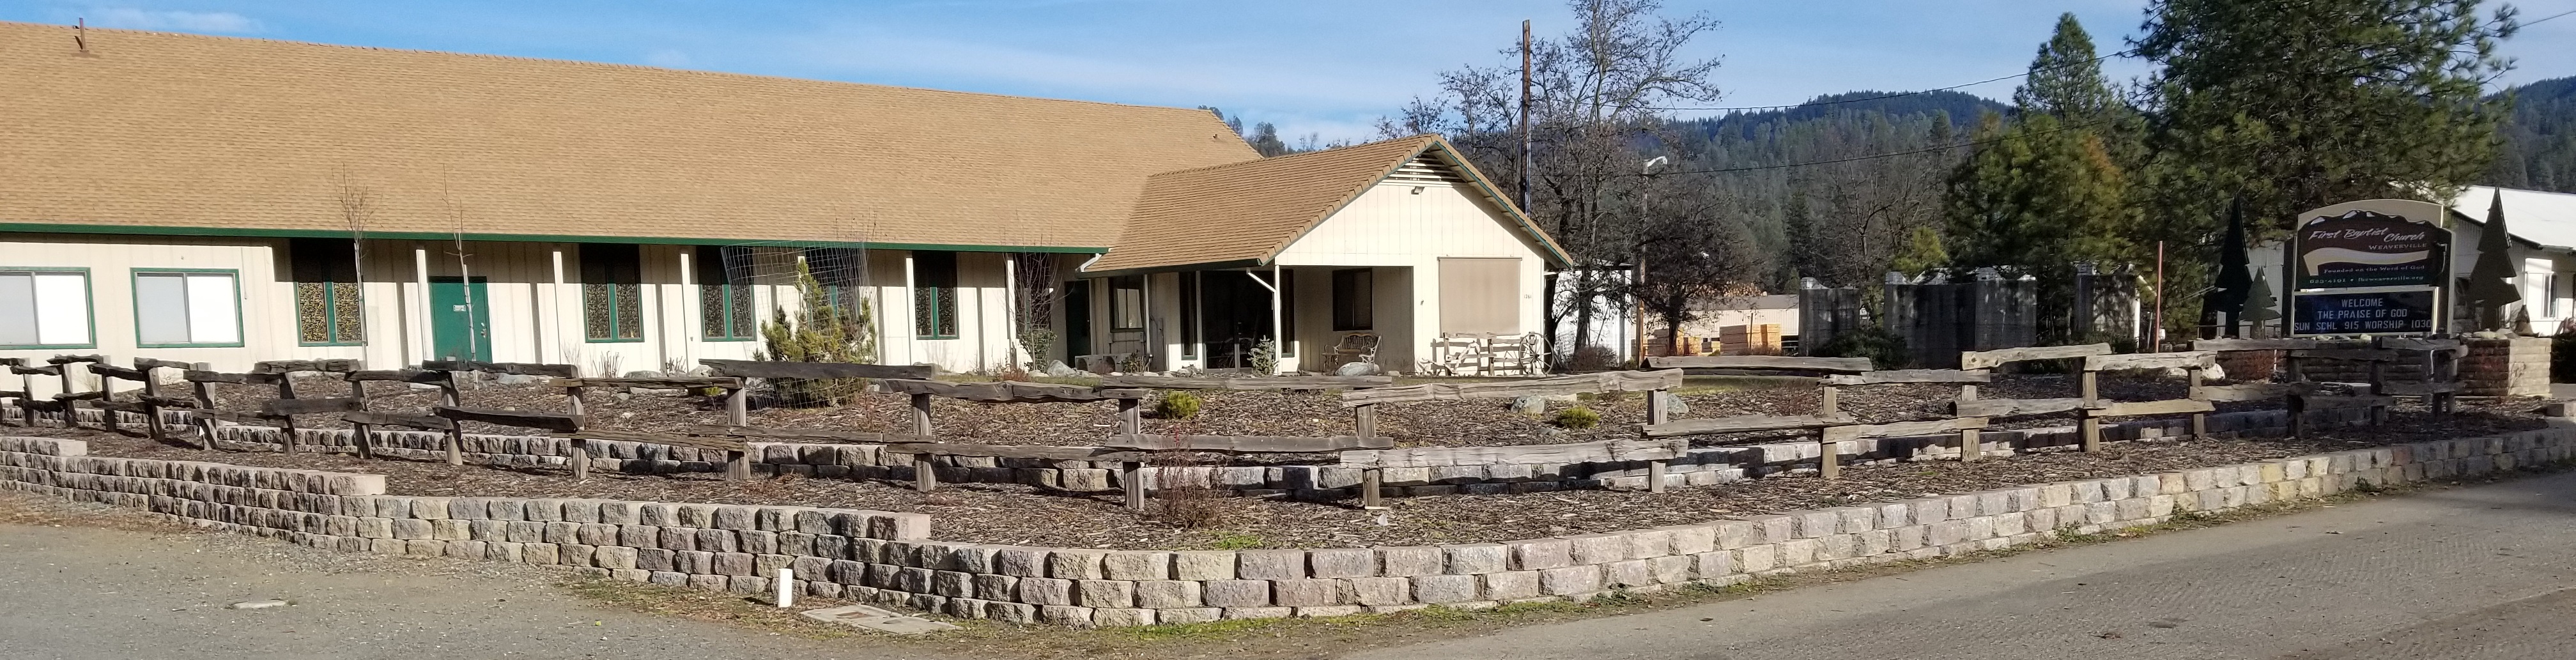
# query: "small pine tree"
818,331
2260,307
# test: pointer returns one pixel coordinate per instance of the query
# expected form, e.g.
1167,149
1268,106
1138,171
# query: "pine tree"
818,331
2261,307
2491,280
2299,105
2234,281
2066,78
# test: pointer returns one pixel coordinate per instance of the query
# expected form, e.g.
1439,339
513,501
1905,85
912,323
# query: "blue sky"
1327,67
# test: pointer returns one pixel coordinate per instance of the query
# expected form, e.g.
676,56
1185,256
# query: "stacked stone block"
885,558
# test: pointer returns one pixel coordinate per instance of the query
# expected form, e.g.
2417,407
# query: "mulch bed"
1440,423
1025,516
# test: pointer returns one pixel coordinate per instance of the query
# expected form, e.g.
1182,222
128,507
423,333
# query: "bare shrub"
1187,497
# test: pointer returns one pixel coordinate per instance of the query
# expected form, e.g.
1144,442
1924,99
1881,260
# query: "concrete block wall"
2517,366
709,546
1088,587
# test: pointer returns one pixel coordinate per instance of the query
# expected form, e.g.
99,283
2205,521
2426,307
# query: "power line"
1946,147
2551,17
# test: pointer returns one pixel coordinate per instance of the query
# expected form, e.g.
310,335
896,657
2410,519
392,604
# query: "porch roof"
152,133
1244,214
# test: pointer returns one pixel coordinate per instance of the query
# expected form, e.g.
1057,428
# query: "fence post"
738,405
1131,474
2378,385
449,395
151,404
286,390
206,424
1829,455
106,395
2088,426
579,454
2199,420
1372,488
362,434
1972,442
925,477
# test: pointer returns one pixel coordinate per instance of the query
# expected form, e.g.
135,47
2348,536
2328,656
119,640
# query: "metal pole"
1525,116
2156,337
1278,333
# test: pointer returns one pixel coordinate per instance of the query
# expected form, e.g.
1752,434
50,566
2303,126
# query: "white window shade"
186,308
214,311
44,308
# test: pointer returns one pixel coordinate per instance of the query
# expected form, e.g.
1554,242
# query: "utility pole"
2156,336
1525,116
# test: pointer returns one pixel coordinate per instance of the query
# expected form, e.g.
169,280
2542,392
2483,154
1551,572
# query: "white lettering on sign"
460,308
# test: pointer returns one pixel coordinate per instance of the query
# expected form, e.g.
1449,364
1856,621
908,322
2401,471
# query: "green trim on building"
61,228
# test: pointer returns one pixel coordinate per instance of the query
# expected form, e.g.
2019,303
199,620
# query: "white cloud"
177,21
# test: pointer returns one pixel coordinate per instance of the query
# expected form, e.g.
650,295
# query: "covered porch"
1458,317
1395,253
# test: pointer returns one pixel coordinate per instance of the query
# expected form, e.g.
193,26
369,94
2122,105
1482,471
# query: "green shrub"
1578,417
1177,405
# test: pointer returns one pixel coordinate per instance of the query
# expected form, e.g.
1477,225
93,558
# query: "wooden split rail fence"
2439,388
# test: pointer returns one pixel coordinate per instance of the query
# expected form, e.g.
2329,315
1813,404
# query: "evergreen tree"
2066,79
2261,307
2298,105
818,331
2491,280
2235,283
1265,141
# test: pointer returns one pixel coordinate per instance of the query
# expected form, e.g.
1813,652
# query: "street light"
1637,303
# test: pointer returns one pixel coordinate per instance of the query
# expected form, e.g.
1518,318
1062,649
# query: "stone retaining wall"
708,546
739,547
1700,467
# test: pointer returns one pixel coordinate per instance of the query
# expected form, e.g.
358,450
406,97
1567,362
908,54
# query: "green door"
460,319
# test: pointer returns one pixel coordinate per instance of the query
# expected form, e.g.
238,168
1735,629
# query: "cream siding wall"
1403,229
535,307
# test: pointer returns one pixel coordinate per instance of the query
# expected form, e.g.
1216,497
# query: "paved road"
2471,573
69,593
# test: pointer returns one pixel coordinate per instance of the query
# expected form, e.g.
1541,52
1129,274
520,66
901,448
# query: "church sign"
2366,248
2374,267
2364,313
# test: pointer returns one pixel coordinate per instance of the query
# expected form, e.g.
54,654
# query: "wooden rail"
1607,451
1607,381
1249,383
789,369
1770,362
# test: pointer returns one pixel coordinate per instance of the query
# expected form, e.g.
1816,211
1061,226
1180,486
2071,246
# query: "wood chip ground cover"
1022,515
1442,423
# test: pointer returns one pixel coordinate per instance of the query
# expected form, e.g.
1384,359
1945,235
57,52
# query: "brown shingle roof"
253,136
1249,212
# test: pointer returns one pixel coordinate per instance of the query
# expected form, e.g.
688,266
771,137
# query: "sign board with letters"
2378,267
2362,247
2407,311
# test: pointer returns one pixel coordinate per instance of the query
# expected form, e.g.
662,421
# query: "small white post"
786,587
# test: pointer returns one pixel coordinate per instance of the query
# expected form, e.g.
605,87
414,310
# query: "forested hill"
1963,110
1838,222
2540,139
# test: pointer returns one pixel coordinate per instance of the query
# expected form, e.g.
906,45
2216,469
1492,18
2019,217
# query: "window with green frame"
45,308
841,271
187,308
612,292
725,311
329,308
934,294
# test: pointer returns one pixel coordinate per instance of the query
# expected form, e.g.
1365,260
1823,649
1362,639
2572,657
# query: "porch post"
420,267
691,325
1278,337
553,325
1010,309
